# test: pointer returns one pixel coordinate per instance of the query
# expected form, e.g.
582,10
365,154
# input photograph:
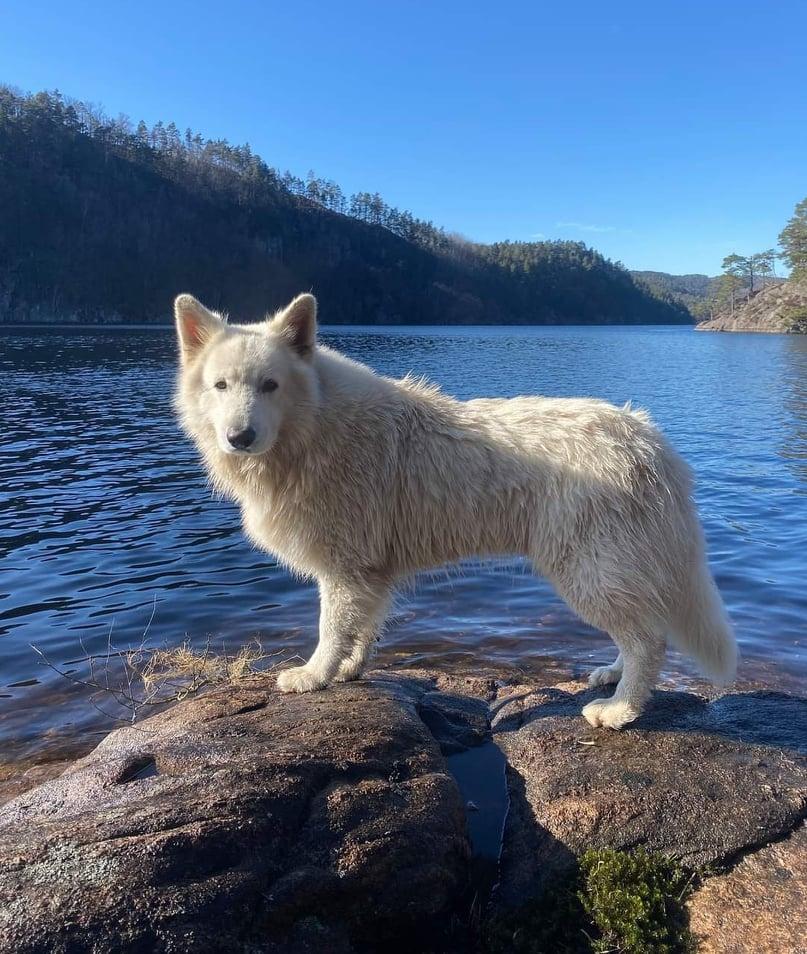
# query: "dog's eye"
268,386
220,385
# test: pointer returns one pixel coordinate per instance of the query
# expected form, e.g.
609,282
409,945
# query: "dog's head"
240,384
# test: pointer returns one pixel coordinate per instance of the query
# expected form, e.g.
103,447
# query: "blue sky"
664,135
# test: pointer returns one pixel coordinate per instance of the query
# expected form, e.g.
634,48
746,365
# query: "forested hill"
105,221
695,292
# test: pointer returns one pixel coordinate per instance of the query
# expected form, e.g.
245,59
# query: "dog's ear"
297,323
195,326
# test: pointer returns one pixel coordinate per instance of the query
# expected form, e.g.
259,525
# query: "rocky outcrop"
698,781
759,906
780,308
244,817
246,820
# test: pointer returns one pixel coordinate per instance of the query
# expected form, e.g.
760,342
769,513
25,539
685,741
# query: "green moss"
635,900
616,902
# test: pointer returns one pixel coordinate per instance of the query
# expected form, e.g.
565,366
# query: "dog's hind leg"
351,612
607,675
642,656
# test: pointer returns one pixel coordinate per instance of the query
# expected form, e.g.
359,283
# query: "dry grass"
131,680
182,670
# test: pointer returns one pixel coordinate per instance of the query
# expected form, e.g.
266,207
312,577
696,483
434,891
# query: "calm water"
106,521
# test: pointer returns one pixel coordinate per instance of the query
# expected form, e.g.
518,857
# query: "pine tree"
764,263
793,241
728,289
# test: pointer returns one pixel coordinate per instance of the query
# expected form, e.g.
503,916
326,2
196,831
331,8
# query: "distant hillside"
694,292
779,308
104,221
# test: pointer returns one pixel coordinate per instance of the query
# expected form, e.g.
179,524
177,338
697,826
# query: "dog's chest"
290,529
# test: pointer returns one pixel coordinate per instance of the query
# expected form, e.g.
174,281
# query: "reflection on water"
105,516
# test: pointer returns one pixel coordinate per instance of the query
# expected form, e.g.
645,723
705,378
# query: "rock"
696,780
779,308
249,821
759,906
21,775
242,818
458,723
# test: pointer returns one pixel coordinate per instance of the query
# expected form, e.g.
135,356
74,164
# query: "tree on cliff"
793,241
738,276
766,265
743,272
729,287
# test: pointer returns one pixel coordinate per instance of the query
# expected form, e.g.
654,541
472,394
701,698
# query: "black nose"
241,439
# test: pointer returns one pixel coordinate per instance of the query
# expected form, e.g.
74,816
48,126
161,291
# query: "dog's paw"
605,676
610,713
300,679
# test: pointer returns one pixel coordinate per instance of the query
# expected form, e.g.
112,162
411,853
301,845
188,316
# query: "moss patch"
635,900
616,902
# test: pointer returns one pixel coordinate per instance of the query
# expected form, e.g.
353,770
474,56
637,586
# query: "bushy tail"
701,629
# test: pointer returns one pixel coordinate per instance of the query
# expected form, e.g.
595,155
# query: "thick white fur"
358,481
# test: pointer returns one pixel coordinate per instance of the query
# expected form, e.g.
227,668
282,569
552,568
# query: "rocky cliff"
778,309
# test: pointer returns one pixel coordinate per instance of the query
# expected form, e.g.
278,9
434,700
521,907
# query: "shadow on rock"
699,781
759,717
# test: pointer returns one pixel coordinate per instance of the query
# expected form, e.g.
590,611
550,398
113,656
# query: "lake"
108,529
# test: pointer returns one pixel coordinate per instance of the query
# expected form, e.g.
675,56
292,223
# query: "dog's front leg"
351,613
366,635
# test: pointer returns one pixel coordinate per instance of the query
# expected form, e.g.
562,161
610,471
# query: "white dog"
358,481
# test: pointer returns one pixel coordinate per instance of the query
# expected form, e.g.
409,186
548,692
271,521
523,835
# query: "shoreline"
85,727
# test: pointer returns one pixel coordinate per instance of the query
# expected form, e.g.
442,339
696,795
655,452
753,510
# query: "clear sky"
664,134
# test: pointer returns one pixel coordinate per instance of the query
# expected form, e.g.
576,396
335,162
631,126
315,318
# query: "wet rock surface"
246,820
21,775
